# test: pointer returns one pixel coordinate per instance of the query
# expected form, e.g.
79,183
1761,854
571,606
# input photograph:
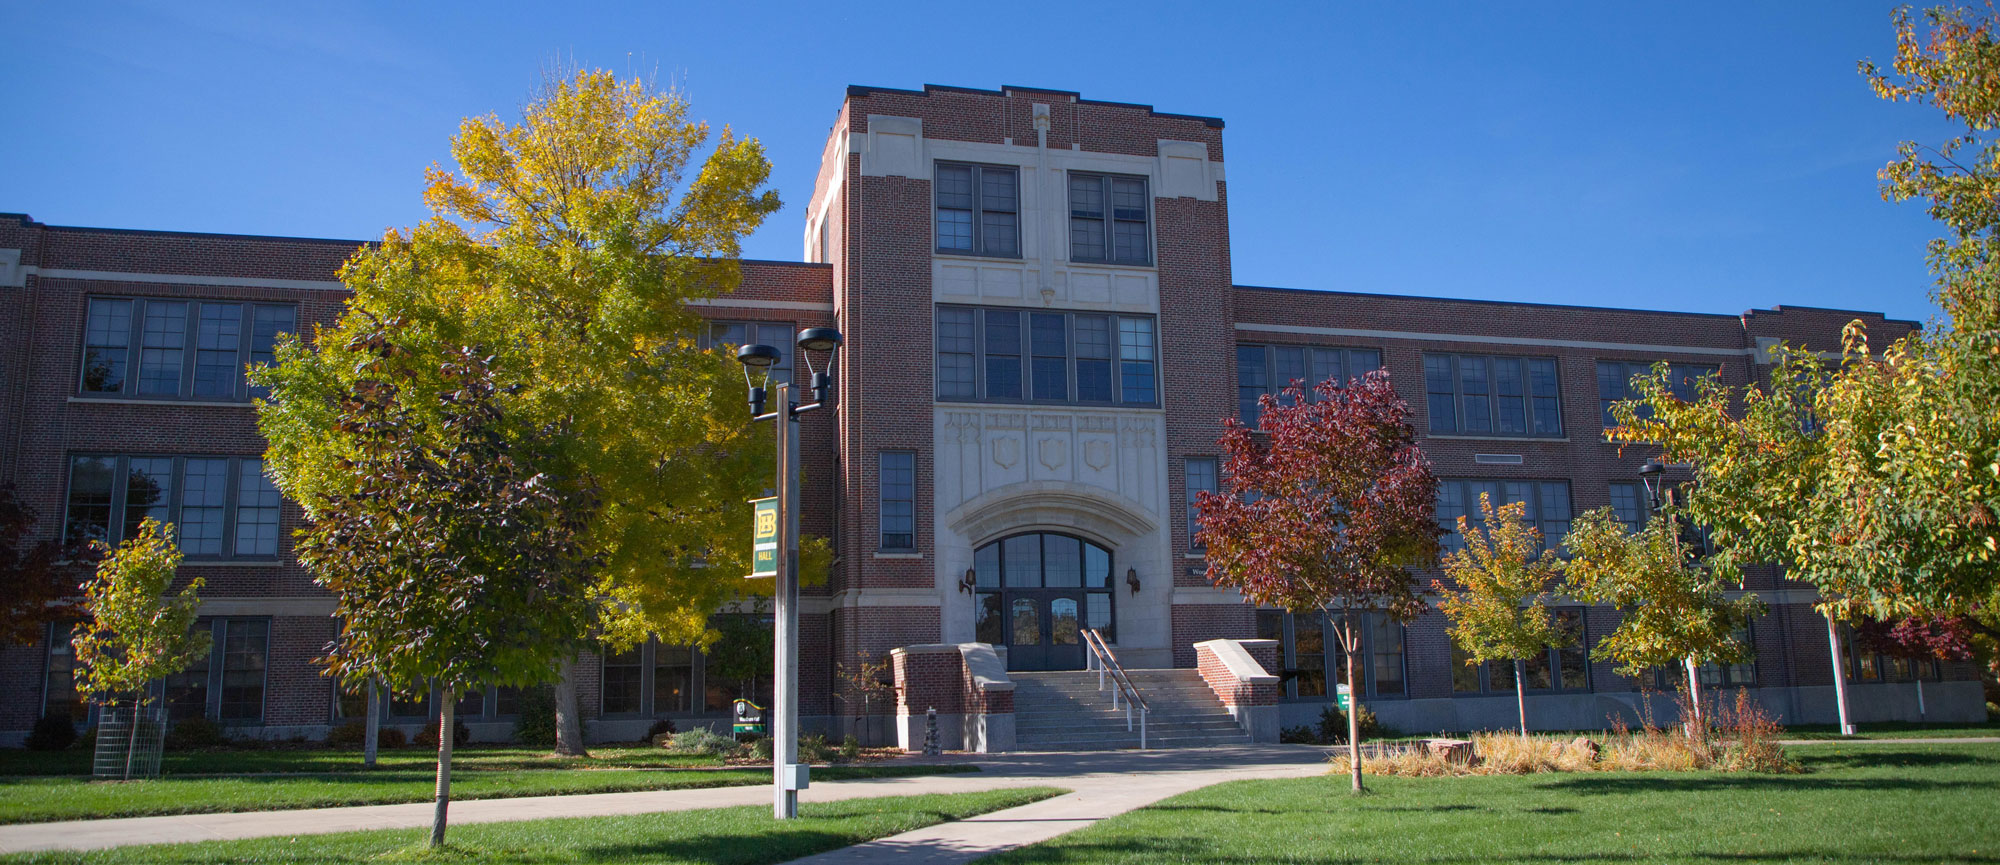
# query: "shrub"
850,748
1300,735
814,749
87,740
351,734
535,718
702,740
460,734
1333,726
390,737
664,725
191,733
762,748
1752,738
52,733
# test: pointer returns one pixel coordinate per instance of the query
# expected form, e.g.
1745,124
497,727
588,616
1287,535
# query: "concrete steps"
1065,711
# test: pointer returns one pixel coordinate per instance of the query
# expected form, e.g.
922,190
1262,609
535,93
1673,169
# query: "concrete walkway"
1105,783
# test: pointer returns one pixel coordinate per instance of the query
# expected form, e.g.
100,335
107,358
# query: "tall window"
1310,651
623,675
59,696
778,335
222,507
1010,355
1493,395
1548,506
1614,383
1867,665
228,683
1262,369
1564,668
186,349
1108,219
1200,478
978,210
1628,502
899,500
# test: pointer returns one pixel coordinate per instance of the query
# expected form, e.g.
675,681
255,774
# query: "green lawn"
269,780
1861,803
737,836
1896,730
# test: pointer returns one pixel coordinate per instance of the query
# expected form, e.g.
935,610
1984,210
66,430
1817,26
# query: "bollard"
931,748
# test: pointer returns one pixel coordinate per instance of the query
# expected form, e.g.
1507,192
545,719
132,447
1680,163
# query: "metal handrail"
1106,663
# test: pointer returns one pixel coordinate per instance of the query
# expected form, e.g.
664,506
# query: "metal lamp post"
788,777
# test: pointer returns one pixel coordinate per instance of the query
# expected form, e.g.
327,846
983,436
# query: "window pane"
267,324
1096,566
1062,562
149,491
1326,366
256,511
204,492
88,515
1027,625
107,340
1000,233
1464,676
954,186
59,690
1093,353
1003,350
1093,380
1093,336
1200,478
954,230
243,661
1546,407
986,565
1051,365
1064,624
1451,505
1128,207
1086,224
1512,409
1086,197
1023,561
186,692
1475,385
161,345
1611,388
1362,361
1097,610
1438,385
1572,656
1554,513
987,624
898,500
1135,352
623,675
997,189
218,338
955,351
1309,655
1291,369
1253,380
673,679
1129,241
1625,503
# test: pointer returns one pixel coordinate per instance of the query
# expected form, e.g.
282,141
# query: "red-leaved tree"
1918,639
1328,507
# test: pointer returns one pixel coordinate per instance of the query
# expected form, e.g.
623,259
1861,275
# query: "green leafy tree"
137,633
570,243
1675,607
1330,503
457,558
1495,598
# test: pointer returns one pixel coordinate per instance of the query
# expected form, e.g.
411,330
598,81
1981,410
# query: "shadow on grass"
1609,784
1190,850
1874,756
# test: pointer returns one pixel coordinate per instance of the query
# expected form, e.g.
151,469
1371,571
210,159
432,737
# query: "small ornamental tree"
137,634
1494,600
455,560
1329,506
1918,639
38,578
1674,607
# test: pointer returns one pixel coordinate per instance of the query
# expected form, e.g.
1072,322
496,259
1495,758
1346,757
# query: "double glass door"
1035,595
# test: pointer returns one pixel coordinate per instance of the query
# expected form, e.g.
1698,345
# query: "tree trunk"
1922,716
447,723
1839,674
1521,696
132,741
569,724
373,725
1353,706
1694,725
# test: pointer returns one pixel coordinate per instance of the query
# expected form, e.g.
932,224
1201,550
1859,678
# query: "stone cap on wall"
985,667
1235,657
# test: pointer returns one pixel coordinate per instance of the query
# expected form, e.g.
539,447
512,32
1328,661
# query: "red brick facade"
875,272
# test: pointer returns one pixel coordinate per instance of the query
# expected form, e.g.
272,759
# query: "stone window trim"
121,352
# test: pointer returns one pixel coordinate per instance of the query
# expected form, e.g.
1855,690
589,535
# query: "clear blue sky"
1707,158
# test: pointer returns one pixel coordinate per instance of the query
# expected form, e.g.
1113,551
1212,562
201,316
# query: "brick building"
1026,476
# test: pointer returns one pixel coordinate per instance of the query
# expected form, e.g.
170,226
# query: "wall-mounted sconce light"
971,579
1132,579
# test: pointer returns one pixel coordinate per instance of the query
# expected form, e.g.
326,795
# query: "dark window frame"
882,499
1614,382
1448,406
978,211
1247,390
999,585
247,348
1469,489
1120,376
1333,654
1109,218
1487,684
1926,669
215,670
232,506
1212,484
